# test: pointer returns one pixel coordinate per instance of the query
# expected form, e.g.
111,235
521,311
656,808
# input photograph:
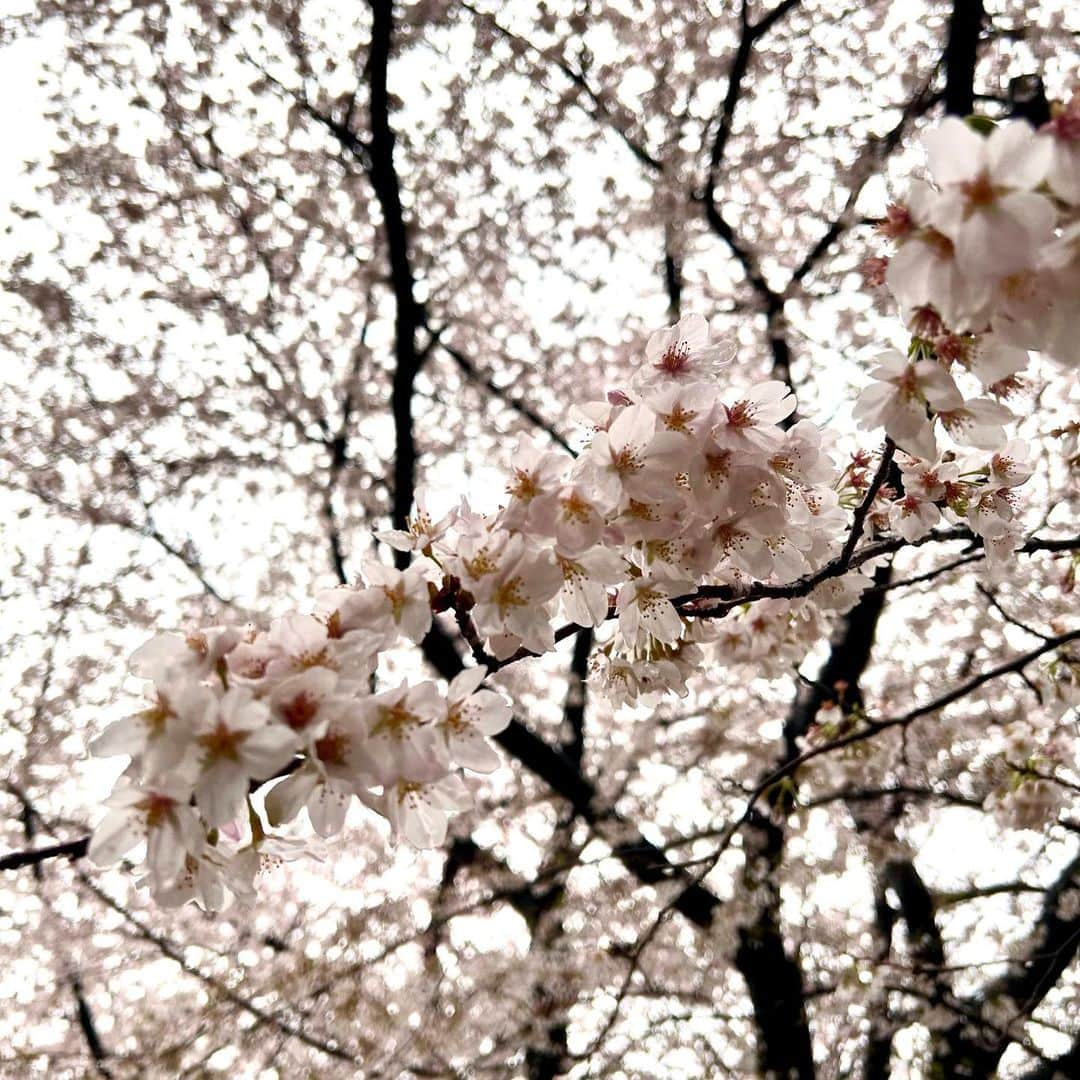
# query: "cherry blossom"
157,813
472,714
160,734
681,354
988,206
750,423
236,743
925,271
401,732
419,810
646,612
692,484
898,400
424,529
1062,136
510,600
195,655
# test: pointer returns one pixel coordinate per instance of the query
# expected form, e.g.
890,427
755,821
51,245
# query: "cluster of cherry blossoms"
987,268
684,483
991,249
229,710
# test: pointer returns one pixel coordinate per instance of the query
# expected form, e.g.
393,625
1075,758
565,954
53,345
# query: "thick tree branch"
640,856
961,52
408,315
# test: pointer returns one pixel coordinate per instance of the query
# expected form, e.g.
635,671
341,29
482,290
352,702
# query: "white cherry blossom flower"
511,602
401,734
897,401
1061,137
158,813
203,878
193,656
682,354
992,360
586,578
913,517
925,271
749,425
645,611
800,457
159,735
397,601
536,477
642,519
680,558
238,743
927,480
304,702
573,519
471,716
631,460
337,766
424,529
999,547
419,810
991,512
1011,465
739,536
293,643
684,409
987,206
263,855
979,422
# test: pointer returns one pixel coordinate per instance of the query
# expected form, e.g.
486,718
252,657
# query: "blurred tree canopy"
270,265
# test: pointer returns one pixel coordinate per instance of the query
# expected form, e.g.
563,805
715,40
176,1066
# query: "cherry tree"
592,489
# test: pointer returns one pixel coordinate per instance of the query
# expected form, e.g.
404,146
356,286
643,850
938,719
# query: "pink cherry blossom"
472,714
157,813
237,743
681,354
401,733
987,206
419,810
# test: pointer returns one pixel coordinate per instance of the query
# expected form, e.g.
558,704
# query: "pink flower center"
675,360
299,712
741,414
979,192
331,748
156,807
223,742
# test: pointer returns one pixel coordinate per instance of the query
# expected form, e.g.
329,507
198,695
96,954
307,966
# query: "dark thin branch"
963,896
71,849
965,1051
894,791
872,728
176,954
673,283
858,521
577,697
603,109
466,366
867,165
731,598
89,1029
993,601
